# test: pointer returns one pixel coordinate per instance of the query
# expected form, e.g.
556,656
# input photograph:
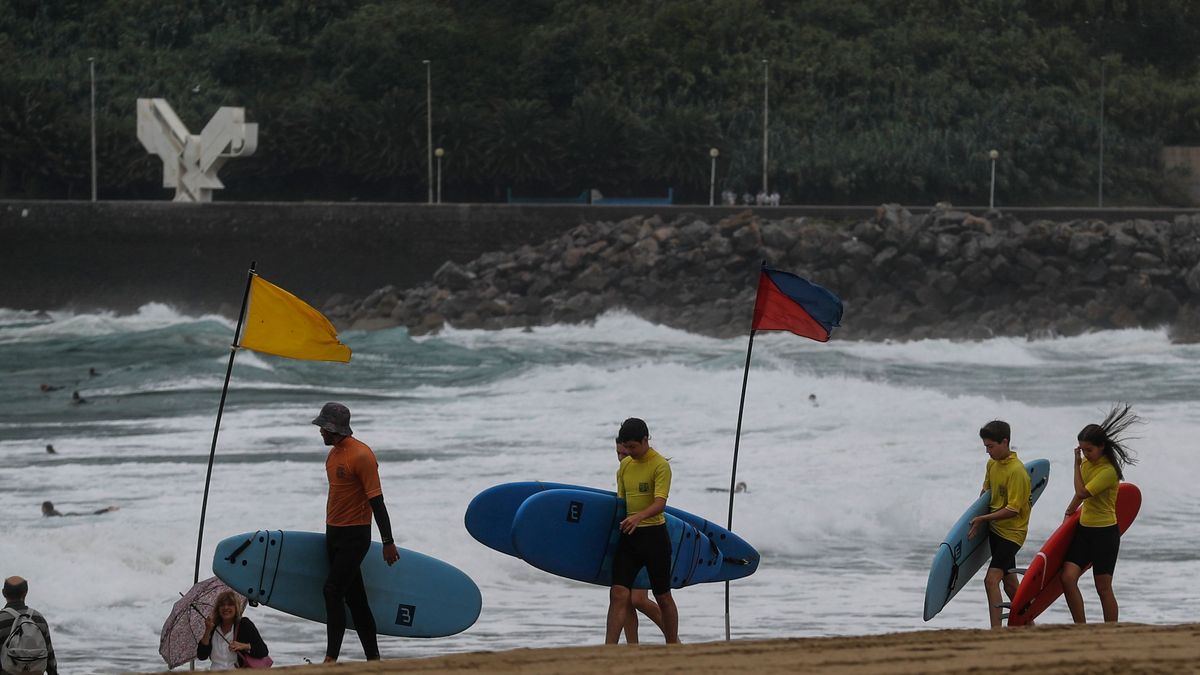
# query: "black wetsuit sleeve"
381,518
248,633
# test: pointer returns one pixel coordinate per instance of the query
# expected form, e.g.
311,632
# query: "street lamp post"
438,153
429,129
993,155
712,180
92,68
1100,180
766,80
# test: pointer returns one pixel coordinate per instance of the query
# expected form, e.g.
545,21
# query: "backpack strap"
16,615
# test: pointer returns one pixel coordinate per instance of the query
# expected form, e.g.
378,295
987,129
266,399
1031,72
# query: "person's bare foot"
329,659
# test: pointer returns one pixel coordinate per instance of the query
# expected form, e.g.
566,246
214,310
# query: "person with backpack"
26,646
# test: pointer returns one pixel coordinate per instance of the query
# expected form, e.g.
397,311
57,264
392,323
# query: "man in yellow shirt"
1008,514
643,481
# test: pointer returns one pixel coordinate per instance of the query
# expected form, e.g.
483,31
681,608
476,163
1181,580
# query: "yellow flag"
279,323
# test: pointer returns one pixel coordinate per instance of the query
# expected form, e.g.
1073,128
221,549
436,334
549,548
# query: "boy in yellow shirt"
644,482
1008,516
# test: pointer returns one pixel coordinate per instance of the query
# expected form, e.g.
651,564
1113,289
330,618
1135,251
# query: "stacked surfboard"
572,531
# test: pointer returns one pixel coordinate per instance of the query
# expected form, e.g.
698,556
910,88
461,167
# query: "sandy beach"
1125,648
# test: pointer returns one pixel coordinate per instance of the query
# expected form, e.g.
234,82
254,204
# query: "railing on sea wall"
597,199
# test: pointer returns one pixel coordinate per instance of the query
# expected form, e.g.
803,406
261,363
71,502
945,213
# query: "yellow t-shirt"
1100,479
640,481
1009,482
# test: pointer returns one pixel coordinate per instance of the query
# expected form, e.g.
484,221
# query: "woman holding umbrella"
230,637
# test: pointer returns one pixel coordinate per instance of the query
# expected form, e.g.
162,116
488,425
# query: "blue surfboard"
574,534
489,519
959,558
419,596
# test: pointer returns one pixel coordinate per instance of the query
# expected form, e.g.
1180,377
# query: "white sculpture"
191,161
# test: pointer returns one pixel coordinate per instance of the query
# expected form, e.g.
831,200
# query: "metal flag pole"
212,452
737,440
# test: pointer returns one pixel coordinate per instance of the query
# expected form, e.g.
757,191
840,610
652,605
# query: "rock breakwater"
945,274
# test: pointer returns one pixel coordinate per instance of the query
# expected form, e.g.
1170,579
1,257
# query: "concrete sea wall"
903,272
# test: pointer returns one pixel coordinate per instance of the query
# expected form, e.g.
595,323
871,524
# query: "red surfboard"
1041,585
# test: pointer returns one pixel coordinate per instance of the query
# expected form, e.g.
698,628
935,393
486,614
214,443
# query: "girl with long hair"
1100,459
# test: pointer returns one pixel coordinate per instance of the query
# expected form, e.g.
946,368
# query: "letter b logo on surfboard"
405,615
574,512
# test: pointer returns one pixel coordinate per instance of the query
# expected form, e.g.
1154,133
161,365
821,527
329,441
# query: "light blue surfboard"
419,596
574,534
959,558
489,519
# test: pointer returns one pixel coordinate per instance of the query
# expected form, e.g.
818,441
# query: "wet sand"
1094,649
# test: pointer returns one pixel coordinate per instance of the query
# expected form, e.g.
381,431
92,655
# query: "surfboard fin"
1018,570
1003,605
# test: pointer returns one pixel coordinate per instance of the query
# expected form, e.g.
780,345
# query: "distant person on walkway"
644,482
49,511
229,636
773,199
354,494
1101,455
1008,514
36,652
638,597
747,198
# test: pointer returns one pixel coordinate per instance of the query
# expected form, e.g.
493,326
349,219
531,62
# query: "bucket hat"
334,418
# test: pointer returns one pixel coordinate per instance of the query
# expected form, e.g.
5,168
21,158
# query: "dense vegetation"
870,100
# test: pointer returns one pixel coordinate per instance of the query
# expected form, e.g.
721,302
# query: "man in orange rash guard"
354,494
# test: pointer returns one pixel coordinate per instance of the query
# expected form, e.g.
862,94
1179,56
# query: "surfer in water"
1101,455
48,511
638,597
644,482
739,488
1007,521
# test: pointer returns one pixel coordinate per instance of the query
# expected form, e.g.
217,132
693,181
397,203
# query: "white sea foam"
65,324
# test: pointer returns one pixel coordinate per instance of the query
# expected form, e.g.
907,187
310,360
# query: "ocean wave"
18,326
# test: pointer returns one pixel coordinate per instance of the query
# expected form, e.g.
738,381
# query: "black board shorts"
648,547
1097,546
1004,552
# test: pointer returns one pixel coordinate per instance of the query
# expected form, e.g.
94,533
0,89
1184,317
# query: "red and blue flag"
788,302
